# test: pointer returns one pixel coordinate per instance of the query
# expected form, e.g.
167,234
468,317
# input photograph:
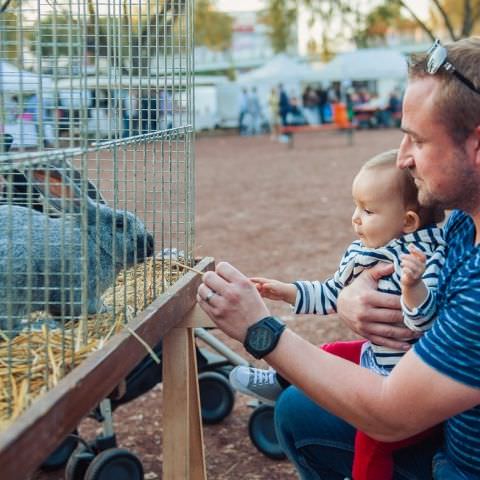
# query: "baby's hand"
413,266
275,290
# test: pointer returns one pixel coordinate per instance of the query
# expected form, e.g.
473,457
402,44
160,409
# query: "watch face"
261,338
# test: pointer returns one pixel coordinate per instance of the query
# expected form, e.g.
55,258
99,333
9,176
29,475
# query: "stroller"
102,460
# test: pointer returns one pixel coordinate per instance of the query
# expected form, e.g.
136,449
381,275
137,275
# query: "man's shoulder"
458,224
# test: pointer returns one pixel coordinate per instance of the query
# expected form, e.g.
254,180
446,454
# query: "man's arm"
413,398
374,315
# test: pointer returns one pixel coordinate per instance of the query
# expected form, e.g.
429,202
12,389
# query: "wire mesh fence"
96,177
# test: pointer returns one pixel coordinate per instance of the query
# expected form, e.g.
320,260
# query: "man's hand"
372,314
231,300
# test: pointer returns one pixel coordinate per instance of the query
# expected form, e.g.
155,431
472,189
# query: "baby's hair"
406,187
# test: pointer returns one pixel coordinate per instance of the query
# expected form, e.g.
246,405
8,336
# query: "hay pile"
34,361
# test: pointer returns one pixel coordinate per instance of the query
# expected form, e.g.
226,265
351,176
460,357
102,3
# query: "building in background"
250,47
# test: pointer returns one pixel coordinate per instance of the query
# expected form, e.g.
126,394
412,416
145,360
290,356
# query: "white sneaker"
262,384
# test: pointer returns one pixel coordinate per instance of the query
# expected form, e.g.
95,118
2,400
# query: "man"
283,105
438,380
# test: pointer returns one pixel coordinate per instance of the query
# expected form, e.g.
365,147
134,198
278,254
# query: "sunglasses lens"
436,59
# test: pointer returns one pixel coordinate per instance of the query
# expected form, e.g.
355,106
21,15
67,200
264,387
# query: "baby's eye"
367,211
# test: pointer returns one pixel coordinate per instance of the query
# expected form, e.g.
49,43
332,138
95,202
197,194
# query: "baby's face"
379,214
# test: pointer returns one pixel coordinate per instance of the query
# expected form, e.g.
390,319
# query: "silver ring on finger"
210,296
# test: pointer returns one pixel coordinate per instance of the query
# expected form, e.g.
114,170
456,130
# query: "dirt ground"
271,211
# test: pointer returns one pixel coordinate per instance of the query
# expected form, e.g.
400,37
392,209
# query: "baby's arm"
414,290
275,290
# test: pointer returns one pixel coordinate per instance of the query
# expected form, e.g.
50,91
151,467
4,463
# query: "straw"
28,368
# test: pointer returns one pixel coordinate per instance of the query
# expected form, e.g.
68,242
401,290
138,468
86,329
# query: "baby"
391,226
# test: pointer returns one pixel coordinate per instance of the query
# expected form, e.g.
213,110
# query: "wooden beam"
183,449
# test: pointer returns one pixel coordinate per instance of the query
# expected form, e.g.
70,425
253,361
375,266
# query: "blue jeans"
320,445
443,469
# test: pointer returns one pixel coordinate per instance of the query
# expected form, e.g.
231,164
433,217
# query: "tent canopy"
367,64
13,80
281,69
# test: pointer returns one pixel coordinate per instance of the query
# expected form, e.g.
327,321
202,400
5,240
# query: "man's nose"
404,157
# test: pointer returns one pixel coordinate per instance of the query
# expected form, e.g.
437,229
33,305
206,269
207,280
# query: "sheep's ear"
58,190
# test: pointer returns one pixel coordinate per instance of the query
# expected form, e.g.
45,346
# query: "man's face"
445,173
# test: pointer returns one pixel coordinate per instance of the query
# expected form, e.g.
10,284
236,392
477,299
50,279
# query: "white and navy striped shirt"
321,297
452,346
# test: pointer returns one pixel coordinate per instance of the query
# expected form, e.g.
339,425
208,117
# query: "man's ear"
411,222
475,143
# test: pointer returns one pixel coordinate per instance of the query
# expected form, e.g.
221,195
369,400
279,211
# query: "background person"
310,105
255,112
439,378
274,114
283,105
243,111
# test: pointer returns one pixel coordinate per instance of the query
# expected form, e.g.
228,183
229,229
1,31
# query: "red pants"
372,459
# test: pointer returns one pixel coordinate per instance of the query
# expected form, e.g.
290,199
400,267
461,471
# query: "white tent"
284,69
368,64
385,66
14,81
281,69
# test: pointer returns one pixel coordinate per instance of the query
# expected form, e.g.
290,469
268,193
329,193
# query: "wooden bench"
291,130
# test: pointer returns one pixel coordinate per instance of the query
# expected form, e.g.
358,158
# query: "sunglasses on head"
437,57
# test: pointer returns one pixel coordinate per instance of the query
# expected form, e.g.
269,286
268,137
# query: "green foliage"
213,29
455,18
379,21
9,46
280,16
55,35
129,41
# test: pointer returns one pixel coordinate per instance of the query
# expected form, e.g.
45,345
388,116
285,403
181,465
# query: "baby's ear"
411,221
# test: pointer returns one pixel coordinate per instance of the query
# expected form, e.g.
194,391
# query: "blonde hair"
406,187
457,106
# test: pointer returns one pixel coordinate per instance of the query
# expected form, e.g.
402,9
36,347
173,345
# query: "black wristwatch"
263,336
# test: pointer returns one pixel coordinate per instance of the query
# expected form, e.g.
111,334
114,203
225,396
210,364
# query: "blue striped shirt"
452,346
321,297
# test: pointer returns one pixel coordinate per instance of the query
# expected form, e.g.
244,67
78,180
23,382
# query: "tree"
367,22
460,18
380,21
9,36
280,17
457,18
55,35
213,29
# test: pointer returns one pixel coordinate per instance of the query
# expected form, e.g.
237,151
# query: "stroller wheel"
78,463
216,397
115,464
59,457
261,429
